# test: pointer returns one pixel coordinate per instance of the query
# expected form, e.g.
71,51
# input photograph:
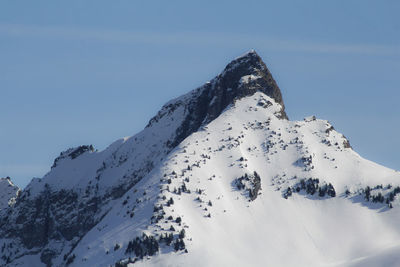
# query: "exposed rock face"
8,192
243,77
72,153
51,215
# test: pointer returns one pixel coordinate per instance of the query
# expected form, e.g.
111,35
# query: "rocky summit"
219,177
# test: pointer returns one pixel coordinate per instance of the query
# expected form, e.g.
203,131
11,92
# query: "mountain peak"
249,54
242,77
249,61
249,74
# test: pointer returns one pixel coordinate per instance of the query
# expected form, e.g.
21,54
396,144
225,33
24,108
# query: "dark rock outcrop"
251,183
8,192
73,153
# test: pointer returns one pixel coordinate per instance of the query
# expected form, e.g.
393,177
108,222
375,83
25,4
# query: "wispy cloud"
194,38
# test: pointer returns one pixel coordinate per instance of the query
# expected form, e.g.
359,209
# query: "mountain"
219,177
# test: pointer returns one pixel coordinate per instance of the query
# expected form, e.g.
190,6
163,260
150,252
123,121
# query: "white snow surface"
302,230
248,78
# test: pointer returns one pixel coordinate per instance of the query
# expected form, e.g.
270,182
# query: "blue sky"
89,72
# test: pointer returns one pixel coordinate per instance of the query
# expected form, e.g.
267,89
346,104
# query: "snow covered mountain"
219,177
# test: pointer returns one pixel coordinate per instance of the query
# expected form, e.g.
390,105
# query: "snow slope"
212,182
302,230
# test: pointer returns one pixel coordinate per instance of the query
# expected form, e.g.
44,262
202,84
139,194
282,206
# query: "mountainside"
8,192
219,177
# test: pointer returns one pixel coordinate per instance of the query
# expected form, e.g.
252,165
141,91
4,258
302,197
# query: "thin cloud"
193,38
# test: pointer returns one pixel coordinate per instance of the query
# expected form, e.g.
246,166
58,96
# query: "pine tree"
367,193
182,234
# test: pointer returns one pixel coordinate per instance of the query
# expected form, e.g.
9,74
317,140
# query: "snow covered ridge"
72,153
219,177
